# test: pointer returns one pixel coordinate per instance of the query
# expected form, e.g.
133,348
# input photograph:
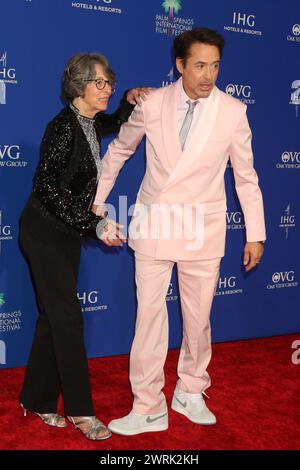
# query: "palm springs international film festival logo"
287,221
100,6
295,96
243,23
7,76
9,321
242,92
290,160
295,37
171,23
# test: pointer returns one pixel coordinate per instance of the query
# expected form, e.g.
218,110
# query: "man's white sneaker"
193,407
136,424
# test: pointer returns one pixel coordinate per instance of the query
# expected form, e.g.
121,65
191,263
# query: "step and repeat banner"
261,67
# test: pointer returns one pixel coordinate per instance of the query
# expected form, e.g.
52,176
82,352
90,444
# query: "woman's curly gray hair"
81,67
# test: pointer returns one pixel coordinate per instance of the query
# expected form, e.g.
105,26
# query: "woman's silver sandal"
90,426
51,419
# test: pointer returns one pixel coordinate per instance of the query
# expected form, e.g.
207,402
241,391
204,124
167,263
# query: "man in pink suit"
191,129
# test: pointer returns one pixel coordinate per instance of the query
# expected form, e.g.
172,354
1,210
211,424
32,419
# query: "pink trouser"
197,283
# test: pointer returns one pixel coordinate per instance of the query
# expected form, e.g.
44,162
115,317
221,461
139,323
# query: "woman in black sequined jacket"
55,218
66,178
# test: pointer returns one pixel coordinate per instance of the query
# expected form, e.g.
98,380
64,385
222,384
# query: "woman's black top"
65,181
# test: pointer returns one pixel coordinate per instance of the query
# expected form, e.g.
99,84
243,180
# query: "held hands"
137,95
253,252
112,235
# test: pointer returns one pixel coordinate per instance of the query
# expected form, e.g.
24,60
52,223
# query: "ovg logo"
2,301
295,37
276,278
10,156
289,159
285,157
242,92
283,279
230,89
296,29
235,221
283,276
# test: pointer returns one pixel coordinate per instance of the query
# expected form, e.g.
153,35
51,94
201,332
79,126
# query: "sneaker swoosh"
183,404
151,420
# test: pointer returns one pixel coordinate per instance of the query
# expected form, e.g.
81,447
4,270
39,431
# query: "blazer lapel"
169,121
201,134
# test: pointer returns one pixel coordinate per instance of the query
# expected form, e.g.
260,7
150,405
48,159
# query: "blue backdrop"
260,67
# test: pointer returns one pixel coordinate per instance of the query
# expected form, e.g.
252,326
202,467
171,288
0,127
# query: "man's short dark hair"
184,41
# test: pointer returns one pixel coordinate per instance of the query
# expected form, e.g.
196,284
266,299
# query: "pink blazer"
190,182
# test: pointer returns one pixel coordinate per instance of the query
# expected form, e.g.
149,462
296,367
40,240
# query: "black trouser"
57,360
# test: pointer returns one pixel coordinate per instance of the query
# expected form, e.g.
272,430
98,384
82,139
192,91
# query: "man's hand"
253,252
137,95
112,235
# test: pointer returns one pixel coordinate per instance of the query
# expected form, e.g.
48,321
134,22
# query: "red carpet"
255,396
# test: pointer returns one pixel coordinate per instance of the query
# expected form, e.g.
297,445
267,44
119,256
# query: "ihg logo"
2,352
243,19
88,297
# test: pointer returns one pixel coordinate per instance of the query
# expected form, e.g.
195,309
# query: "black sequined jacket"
66,178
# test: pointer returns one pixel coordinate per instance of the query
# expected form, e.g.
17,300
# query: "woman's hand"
112,235
137,95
